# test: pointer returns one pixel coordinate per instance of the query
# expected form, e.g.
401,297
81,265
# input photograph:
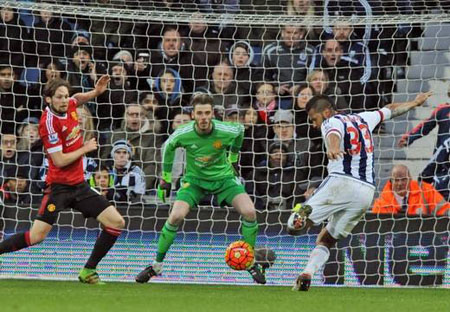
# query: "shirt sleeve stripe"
54,149
334,130
381,115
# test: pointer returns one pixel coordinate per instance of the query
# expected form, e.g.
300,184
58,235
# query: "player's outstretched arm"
100,87
398,109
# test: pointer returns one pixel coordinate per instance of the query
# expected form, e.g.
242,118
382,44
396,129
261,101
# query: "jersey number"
354,139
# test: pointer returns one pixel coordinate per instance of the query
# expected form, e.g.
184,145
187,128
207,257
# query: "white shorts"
342,201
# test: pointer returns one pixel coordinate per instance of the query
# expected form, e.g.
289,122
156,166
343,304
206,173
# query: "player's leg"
233,192
47,214
112,223
38,232
318,257
188,196
245,207
93,205
166,237
349,207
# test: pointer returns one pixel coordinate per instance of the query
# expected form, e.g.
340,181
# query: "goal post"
400,54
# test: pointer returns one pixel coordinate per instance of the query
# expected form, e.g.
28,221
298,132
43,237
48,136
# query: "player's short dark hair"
319,103
201,99
53,85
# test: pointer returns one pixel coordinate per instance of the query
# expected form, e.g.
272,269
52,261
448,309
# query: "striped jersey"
355,131
62,133
206,154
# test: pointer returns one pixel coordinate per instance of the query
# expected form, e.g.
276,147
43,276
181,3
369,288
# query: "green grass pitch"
37,296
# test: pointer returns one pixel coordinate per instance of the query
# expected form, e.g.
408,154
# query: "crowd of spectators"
259,76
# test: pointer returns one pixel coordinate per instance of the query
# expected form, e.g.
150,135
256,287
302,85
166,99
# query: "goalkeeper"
211,153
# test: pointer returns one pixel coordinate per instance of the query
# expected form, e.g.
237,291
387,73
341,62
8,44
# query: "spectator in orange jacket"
403,194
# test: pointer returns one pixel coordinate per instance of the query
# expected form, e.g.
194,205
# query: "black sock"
16,242
102,245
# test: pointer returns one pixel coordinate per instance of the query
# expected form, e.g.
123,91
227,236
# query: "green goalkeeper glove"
164,186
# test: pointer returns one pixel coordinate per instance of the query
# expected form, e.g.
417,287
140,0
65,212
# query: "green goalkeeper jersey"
206,154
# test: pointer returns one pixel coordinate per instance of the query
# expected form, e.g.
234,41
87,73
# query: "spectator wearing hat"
284,129
136,131
148,101
15,189
307,154
232,114
129,180
125,57
275,184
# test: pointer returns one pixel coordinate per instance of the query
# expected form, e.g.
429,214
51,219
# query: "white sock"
317,259
157,267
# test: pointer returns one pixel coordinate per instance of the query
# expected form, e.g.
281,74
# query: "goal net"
260,61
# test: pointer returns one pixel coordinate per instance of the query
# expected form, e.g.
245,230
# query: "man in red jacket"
402,194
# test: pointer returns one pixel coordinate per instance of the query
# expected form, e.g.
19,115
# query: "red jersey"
62,133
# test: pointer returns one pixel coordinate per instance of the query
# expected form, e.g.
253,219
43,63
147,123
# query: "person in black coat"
255,142
52,35
275,183
16,40
241,57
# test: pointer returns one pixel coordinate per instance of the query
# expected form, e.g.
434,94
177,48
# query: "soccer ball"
239,255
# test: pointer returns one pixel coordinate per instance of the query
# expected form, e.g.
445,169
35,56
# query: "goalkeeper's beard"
204,127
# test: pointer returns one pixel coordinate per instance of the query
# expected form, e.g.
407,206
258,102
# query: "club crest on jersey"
217,144
53,138
74,115
51,207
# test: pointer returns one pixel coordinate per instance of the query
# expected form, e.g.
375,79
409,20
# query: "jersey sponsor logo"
185,185
217,144
51,207
194,146
73,135
74,115
53,138
64,128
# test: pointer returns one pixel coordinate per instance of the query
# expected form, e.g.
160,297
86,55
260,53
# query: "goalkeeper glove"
164,187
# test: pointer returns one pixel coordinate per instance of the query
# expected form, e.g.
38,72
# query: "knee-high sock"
166,238
16,242
317,259
249,232
103,244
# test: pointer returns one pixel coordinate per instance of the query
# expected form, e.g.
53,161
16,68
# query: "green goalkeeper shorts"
193,190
